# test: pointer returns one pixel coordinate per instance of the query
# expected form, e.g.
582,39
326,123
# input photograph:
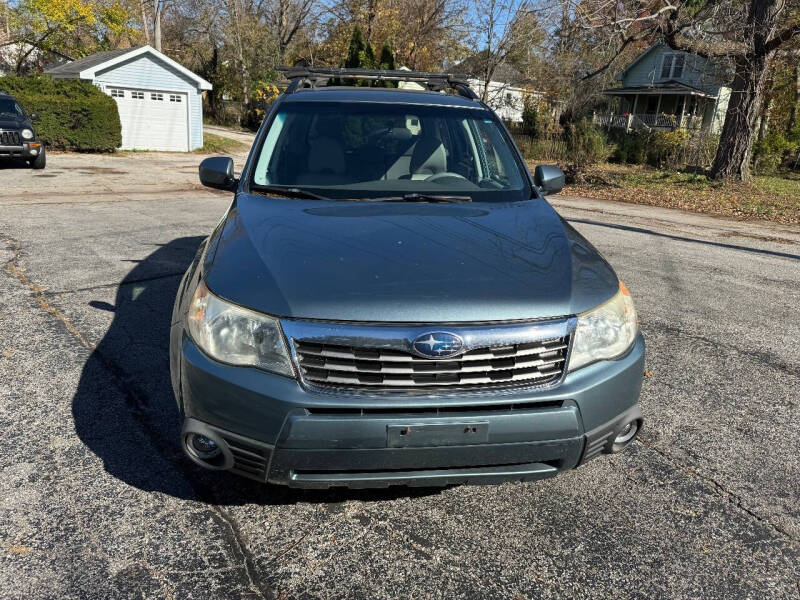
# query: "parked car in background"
17,135
389,300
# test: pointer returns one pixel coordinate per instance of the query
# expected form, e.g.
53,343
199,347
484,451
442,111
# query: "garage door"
152,120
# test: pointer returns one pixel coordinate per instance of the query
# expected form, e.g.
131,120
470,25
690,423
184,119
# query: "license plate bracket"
437,434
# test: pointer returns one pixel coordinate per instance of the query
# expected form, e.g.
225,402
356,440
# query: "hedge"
73,114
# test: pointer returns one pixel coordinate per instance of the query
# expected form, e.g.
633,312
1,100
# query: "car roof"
380,95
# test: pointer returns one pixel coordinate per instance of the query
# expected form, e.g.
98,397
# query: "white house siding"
507,101
148,73
196,119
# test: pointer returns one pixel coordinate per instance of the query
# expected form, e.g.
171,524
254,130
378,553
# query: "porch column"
658,110
632,113
683,110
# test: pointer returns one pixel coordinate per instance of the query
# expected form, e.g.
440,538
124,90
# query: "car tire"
40,161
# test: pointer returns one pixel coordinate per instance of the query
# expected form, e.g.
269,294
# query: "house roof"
621,74
475,67
666,87
89,66
75,67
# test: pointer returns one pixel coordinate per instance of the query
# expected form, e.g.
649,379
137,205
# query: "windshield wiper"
289,192
422,198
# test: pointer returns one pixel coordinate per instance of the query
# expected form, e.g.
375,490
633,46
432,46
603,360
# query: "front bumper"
29,149
272,429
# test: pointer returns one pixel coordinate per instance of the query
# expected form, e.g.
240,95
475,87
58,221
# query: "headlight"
605,332
27,134
235,335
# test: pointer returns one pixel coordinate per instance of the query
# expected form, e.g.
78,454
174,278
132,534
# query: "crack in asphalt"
13,269
118,284
768,358
137,400
723,491
244,556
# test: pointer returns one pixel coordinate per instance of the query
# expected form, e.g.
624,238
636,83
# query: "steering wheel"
445,175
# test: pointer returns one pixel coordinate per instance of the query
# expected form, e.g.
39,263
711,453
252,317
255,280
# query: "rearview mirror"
217,172
549,179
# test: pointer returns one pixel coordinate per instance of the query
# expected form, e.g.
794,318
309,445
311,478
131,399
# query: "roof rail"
301,77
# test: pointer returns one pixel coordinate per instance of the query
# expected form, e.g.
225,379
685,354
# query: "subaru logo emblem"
438,344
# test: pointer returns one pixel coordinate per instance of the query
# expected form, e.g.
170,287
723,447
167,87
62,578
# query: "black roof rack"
310,77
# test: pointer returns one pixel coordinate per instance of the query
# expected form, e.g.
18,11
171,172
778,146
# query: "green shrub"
73,114
530,118
631,148
770,151
585,145
665,149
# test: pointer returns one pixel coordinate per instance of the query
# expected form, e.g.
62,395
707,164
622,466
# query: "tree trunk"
159,7
243,71
732,160
793,115
7,19
145,22
282,26
371,9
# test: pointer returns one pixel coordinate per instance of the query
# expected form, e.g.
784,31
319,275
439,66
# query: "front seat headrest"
428,158
326,156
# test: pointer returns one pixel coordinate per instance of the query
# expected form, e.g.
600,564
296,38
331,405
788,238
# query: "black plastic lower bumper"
411,466
27,150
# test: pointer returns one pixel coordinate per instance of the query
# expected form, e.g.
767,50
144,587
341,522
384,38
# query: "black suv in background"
17,135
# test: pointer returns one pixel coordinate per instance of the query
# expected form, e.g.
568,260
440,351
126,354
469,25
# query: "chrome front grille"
382,357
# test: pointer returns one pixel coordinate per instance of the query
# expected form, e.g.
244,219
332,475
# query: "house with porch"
668,89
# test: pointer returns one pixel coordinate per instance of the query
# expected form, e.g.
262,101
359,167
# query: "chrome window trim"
400,336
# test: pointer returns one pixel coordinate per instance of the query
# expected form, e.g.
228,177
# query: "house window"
677,65
158,97
672,67
174,98
137,95
117,93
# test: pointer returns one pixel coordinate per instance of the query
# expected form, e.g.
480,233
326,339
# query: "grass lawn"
216,144
770,198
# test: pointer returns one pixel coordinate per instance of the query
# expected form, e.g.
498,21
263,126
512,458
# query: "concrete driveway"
97,500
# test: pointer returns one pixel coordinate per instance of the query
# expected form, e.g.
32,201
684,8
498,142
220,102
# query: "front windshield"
10,108
371,150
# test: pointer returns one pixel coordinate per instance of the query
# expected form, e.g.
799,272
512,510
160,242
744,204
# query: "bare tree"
285,18
500,29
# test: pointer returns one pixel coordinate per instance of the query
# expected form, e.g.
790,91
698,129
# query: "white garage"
160,102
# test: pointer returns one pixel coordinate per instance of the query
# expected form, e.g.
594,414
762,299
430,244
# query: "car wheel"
40,161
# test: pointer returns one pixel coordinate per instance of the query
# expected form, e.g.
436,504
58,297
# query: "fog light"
34,151
204,447
626,433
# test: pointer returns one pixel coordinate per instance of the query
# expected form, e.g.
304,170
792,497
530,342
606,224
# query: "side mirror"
217,172
33,117
549,178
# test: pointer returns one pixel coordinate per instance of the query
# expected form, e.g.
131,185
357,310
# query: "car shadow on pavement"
125,411
13,163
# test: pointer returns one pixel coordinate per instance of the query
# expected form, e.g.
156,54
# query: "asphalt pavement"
97,500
